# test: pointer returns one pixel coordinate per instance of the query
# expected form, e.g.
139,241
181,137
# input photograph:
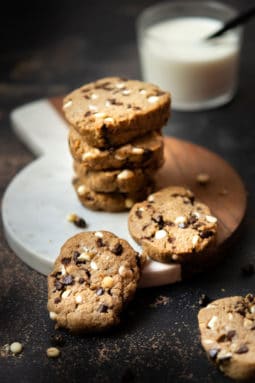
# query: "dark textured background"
47,49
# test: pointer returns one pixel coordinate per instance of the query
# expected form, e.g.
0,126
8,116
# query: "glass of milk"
175,54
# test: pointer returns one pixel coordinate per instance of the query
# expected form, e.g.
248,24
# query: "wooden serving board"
39,198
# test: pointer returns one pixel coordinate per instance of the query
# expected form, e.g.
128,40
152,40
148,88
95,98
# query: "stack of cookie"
115,140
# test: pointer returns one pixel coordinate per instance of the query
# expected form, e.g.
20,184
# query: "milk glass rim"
164,8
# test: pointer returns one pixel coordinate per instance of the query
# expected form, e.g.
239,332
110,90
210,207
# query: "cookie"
227,329
122,181
113,202
112,111
172,226
142,152
93,278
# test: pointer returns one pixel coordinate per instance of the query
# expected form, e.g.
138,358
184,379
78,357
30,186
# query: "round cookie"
142,152
112,111
109,181
93,278
172,226
113,202
227,328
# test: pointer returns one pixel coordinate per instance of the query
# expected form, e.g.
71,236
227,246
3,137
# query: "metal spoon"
237,20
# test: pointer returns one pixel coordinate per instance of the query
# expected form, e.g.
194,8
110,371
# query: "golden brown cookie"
113,111
142,152
93,278
110,181
227,328
113,202
172,226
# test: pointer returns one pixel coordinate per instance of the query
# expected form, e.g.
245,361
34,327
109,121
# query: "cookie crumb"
77,221
53,352
203,178
160,301
57,340
203,300
16,348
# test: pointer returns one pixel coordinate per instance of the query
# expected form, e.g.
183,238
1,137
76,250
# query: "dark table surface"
47,49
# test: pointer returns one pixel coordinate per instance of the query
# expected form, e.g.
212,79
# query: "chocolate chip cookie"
172,226
112,111
93,278
142,152
113,202
109,181
227,329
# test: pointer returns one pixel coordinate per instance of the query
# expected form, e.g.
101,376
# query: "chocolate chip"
105,138
171,239
203,300
206,234
66,261
114,102
138,261
80,222
117,249
88,273
99,242
75,256
159,220
192,219
103,309
192,199
147,153
81,281
134,107
138,213
213,353
100,291
58,285
230,334
248,270
242,349
67,280
57,300
88,113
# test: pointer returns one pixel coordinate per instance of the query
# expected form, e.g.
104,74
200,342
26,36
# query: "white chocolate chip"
202,178
208,341
150,198
94,96
120,85
211,324
142,91
252,309
152,99
78,299
108,103
66,294
247,323
195,240
81,190
107,282
67,104
141,208
126,92
137,150
129,203
180,219
100,115
125,174
93,108
124,271
16,348
53,315
211,219
175,257
63,270
223,354
90,154
99,234
108,119
119,157
160,234
230,316
72,217
52,352
85,256
93,265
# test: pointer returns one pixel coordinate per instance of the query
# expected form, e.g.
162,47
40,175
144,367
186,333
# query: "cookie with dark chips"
113,111
172,226
227,328
93,278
